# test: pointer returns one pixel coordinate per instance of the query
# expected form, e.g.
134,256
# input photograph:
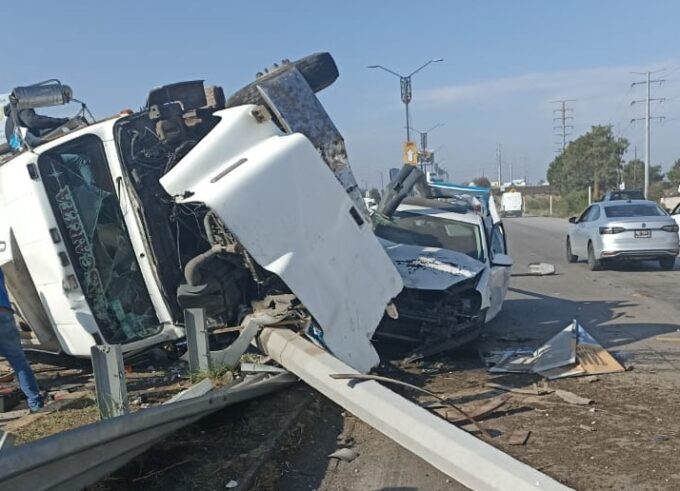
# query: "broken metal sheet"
231,355
294,218
558,351
431,268
570,353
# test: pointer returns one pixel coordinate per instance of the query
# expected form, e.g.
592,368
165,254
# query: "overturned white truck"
112,228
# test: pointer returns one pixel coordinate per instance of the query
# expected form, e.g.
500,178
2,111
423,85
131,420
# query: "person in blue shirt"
10,348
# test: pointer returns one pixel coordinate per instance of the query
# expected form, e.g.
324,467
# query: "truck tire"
318,69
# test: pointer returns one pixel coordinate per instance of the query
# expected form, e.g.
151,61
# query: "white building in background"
4,99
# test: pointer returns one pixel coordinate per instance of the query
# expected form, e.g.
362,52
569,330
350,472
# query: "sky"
504,62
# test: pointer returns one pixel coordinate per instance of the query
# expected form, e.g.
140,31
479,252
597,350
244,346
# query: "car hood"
431,268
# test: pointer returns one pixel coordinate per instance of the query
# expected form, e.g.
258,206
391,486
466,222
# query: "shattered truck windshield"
81,193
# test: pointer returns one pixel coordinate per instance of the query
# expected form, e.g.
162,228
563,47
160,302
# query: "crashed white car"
111,229
454,262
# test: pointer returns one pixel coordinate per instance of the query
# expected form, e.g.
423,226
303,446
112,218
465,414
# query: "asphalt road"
629,439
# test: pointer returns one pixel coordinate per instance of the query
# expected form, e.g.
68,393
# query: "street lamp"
405,81
423,134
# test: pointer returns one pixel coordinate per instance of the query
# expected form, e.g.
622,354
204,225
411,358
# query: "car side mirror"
572,219
501,260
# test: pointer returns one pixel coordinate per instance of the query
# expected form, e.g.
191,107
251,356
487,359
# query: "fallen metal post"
198,343
453,451
109,380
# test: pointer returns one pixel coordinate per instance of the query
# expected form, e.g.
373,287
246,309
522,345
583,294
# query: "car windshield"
633,210
428,231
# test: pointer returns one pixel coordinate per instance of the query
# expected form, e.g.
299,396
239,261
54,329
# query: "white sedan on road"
632,230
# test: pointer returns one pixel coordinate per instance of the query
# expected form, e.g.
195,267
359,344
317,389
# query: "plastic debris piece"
344,454
572,398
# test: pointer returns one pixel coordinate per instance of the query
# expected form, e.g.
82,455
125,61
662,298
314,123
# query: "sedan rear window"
633,210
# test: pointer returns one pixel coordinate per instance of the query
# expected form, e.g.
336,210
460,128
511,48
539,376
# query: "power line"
648,117
563,121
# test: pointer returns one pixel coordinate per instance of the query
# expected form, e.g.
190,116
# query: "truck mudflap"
292,215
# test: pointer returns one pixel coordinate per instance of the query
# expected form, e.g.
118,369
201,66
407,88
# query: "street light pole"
406,93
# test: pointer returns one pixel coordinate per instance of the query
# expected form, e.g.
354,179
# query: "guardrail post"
109,380
197,340
6,440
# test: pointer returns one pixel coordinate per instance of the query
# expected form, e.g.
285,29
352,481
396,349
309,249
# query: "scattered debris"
587,427
518,437
535,390
10,415
571,352
378,378
260,368
196,390
231,484
475,411
538,269
572,398
344,454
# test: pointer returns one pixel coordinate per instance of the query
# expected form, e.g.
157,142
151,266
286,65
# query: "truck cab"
112,229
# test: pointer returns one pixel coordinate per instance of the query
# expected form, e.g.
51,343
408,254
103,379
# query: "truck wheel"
667,263
593,264
319,69
571,258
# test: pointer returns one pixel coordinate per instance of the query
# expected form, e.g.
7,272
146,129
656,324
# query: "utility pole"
423,146
499,159
648,117
562,119
405,83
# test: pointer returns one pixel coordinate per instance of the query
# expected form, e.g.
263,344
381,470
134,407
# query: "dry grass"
82,412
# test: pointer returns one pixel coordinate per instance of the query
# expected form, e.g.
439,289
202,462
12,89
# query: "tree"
634,174
482,182
593,159
674,174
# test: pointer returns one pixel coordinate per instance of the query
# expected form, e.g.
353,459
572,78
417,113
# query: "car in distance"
676,214
623,195
632,230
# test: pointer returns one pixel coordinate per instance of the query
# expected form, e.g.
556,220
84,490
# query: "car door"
579,234
676,214
592,227
499,274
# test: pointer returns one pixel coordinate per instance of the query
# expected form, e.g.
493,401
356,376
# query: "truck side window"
82,195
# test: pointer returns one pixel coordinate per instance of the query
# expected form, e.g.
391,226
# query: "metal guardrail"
80,457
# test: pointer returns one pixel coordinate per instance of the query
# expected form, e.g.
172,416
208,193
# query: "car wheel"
570,257
667,263
593,264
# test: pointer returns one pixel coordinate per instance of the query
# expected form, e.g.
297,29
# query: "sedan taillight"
611,230
670,228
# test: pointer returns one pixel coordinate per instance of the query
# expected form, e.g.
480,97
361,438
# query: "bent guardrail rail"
80,457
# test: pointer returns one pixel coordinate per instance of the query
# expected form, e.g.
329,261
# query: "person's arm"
34,121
